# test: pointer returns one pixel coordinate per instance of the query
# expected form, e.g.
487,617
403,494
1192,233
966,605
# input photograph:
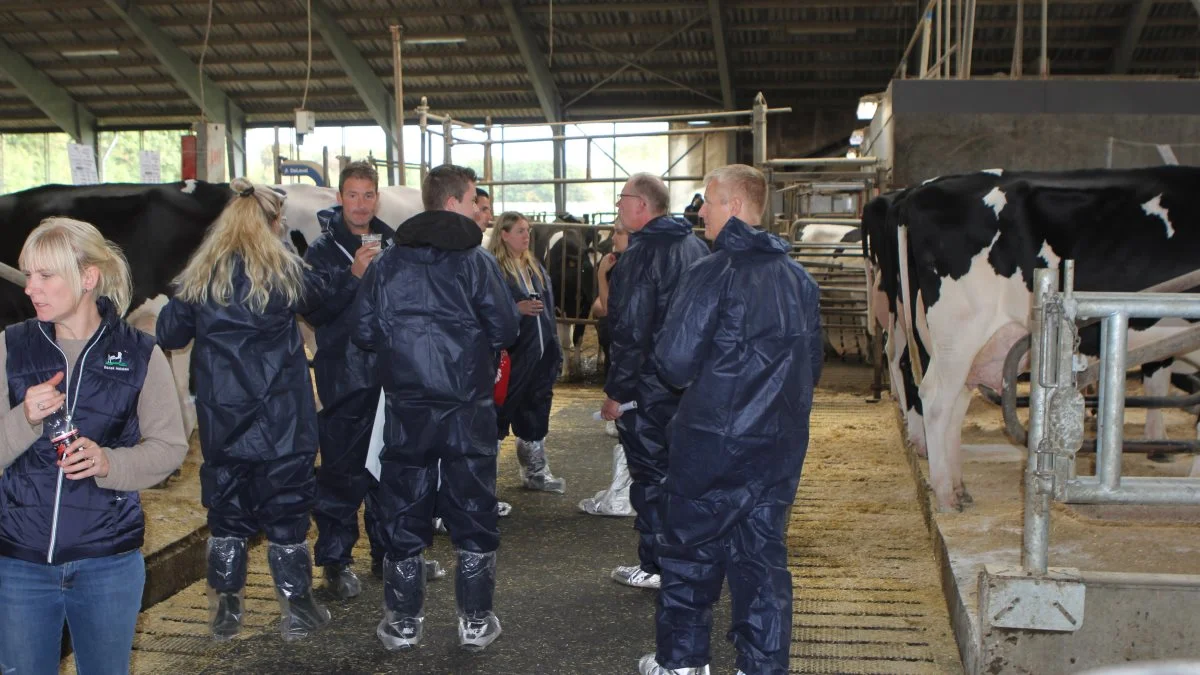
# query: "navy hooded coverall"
255,411
640,289
349,392
536,360
435,310
743,335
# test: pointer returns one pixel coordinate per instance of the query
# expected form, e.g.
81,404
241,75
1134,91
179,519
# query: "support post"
1037,503
1111,424
398,81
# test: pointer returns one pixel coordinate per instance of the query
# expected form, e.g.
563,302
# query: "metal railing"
757,127
1056,405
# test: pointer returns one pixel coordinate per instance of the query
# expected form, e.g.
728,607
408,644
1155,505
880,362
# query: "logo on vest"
116,361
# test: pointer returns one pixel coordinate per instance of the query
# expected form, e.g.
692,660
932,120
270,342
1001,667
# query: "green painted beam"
718,33
535,62
54,101
218,107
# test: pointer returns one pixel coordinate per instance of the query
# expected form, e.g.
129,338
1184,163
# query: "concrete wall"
1133,617
692,156
927,128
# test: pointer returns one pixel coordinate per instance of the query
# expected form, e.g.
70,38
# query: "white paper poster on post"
151,165
214,153
83,164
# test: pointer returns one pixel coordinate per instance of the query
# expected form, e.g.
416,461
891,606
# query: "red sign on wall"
188,149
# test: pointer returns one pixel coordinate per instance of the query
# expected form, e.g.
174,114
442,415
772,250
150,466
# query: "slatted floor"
867,598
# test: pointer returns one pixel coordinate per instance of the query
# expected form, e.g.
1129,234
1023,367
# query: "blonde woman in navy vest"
71,529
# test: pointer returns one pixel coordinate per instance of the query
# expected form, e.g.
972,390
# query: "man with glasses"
661,247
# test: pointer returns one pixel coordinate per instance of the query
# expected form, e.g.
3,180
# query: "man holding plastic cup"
352,236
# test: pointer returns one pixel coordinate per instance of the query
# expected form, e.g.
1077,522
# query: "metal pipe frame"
1160,491
655,118
589,137
1137,305
1111,422
821,161
759,113
833,220
917,34
1036,541
571,181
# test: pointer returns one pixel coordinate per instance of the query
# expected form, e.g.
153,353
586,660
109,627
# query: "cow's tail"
906,300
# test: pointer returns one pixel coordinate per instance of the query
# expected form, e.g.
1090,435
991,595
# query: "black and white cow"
955,259
569,253
157,226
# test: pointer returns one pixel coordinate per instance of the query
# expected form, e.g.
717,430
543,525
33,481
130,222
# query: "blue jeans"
98,597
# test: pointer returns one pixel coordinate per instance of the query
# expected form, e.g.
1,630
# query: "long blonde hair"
511,264
67,246
247,231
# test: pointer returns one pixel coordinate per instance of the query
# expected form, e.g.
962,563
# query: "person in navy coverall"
237,299
345,376
661,247
743,336
536,355
436,311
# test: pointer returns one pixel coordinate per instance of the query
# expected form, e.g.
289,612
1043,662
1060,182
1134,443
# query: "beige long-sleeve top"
163,445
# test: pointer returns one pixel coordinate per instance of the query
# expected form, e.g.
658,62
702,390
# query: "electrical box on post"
306,121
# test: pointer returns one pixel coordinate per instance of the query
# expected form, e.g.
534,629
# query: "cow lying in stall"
955,259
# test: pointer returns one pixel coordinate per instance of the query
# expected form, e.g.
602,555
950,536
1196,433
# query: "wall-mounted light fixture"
867,105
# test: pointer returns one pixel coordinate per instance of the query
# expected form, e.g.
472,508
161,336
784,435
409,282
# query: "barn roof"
127,63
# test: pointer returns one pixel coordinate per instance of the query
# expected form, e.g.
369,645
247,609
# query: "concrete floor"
867,598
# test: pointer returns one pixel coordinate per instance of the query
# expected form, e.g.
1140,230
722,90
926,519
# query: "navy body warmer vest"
103,389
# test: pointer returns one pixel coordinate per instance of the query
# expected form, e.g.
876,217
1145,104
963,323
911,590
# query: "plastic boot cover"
226,564
434,570
291,567
225,612
399,633
535,470
403,621
342,581
610,428
474,587
648,666
615,500
634,575
475,634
